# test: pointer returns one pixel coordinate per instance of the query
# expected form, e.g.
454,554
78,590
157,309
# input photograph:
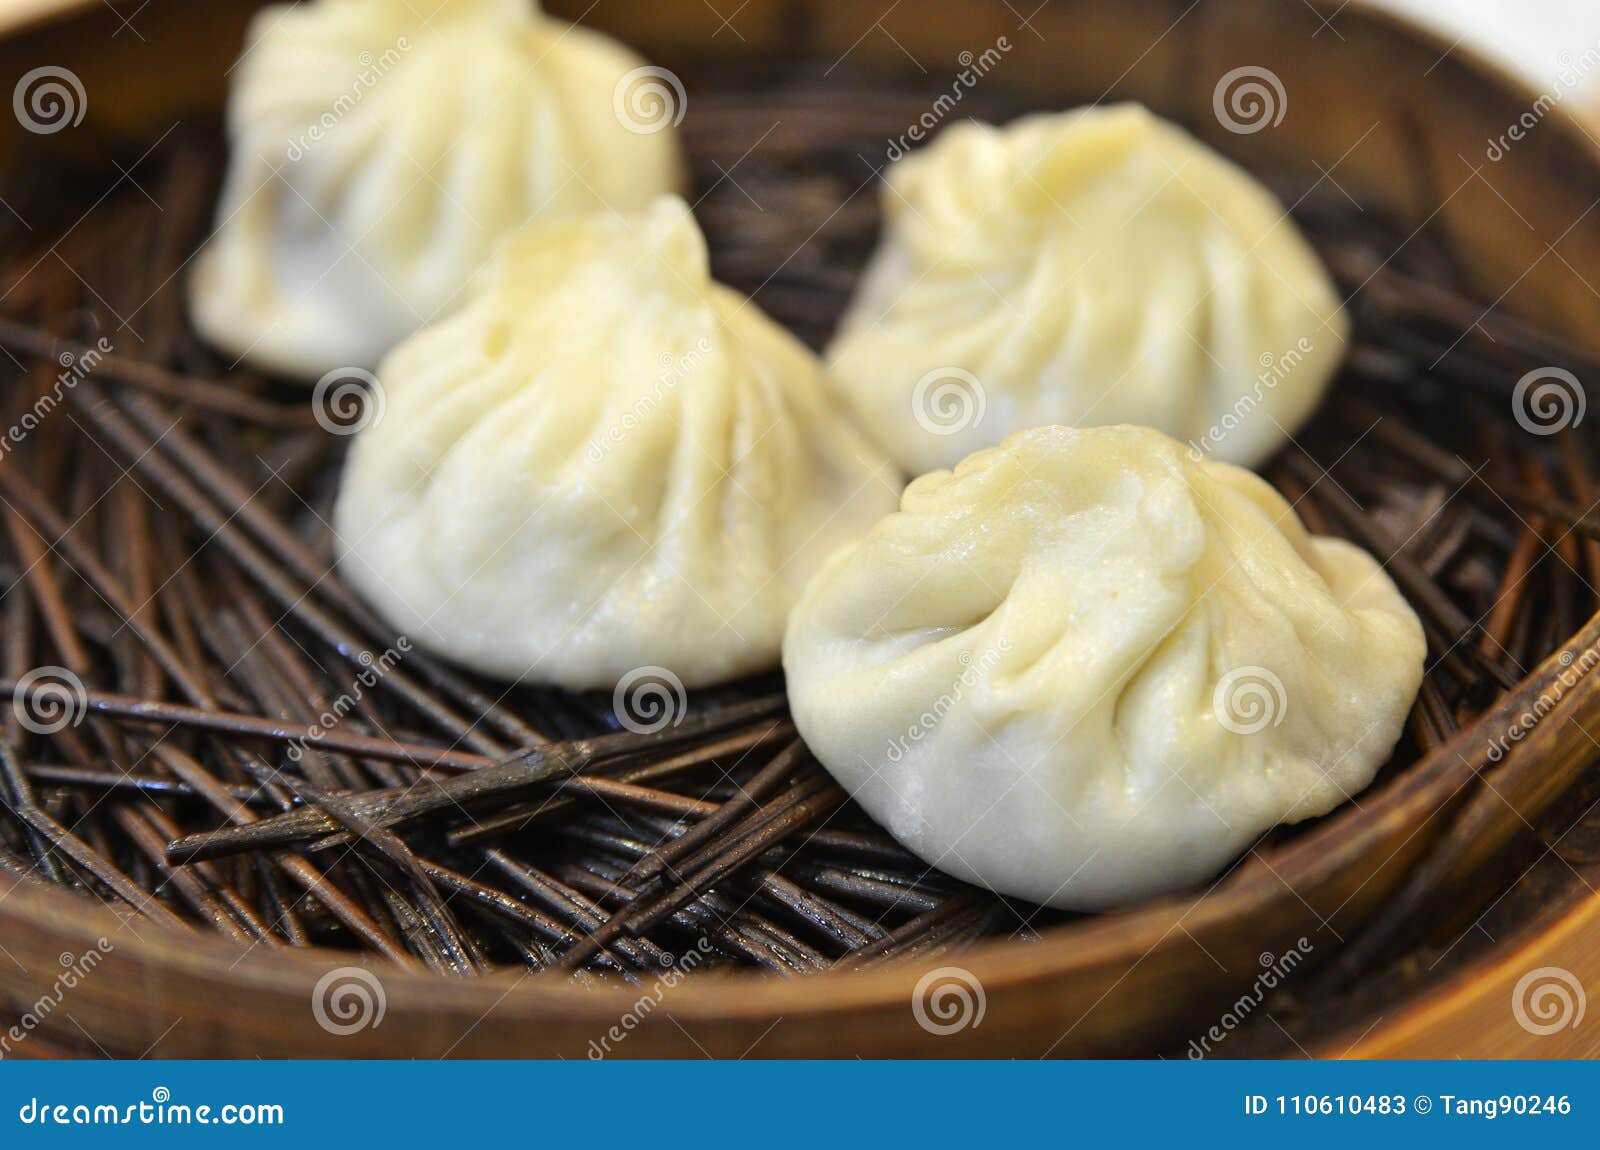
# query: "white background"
1529,35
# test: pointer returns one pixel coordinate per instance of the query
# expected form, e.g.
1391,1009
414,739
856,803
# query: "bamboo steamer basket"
1382,106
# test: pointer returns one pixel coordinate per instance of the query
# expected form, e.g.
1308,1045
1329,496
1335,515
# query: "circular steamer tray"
1395,113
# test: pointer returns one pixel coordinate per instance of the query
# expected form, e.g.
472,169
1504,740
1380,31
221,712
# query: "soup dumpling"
1084,669
604,461
380,148
1084,268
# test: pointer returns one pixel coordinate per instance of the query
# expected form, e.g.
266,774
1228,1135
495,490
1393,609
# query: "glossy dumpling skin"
604,461
380,148
1084,268
1084,669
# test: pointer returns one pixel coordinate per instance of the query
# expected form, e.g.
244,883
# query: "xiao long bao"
604,461
1084,669
1084,268
380,148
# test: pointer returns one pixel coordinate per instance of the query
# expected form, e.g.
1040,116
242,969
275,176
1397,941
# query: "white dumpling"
1083,668
380,148
1084,268
604,461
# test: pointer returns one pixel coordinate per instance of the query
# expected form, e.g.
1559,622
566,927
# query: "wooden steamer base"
1390,110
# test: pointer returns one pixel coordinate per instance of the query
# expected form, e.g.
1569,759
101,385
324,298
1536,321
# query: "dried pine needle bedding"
216,733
